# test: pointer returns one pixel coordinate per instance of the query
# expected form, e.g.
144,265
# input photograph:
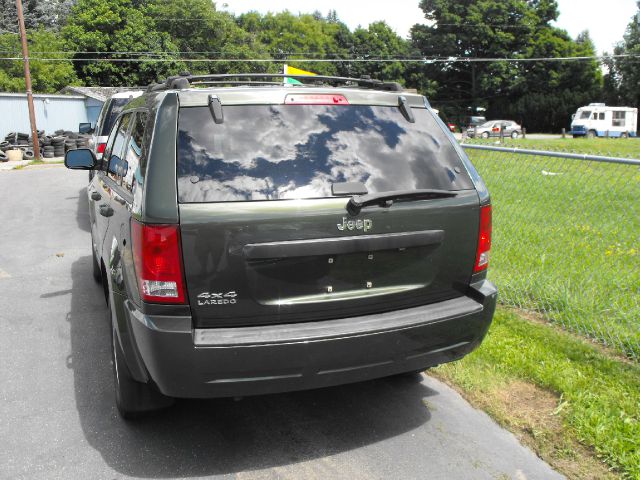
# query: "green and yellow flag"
289,70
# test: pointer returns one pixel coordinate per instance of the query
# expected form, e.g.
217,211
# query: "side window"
595,116
117,168
601,116
133,152
618,119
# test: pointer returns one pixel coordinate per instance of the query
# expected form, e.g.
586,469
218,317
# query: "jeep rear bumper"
240,361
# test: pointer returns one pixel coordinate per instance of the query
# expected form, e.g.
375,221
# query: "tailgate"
252,263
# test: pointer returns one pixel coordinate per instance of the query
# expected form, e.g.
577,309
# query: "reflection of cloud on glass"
320,186
278,152
211,190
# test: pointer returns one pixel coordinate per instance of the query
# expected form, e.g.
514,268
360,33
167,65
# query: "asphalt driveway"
57,414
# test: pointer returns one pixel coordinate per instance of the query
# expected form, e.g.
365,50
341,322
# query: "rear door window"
113,110
277,152
133,152
117,168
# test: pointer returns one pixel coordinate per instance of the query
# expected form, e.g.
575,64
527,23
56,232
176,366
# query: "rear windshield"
114,109
276,152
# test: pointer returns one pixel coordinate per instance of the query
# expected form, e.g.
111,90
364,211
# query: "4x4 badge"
217,298
359,224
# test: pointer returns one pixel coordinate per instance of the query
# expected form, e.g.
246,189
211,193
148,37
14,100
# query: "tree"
49,14
201,32
285,36
46,76
379,41
108,37
539,93
624,73
552,91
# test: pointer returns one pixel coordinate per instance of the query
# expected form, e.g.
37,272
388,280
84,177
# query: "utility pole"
27,80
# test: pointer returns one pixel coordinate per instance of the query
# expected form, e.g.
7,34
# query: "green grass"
37,162
614,147
566,241
598,396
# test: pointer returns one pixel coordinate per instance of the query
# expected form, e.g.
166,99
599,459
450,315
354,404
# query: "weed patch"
576,406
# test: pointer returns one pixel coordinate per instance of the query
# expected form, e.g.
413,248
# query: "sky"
606,20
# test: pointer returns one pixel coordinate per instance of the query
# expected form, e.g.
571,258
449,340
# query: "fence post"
607,134
564,133
524,132
502,133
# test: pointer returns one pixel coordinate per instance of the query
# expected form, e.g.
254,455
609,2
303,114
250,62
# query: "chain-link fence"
566,239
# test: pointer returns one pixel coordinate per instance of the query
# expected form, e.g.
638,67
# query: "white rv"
598,120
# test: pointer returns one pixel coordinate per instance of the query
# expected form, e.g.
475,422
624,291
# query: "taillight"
484,240
157,258
100,148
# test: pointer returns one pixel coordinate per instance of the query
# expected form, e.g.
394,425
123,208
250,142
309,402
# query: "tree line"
135,42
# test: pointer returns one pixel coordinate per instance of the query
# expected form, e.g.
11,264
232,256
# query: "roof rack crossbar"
184,80
234,82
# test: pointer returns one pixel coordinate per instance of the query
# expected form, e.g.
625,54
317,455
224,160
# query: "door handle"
95,196
106,210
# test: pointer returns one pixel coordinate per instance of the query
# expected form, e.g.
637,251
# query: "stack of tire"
50,146
58,144
47,147
17,138
27,153
4,146
82,141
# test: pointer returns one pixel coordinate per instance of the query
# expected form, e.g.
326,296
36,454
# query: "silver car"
110,111
492,129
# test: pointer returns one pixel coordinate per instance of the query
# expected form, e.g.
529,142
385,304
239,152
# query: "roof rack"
186,80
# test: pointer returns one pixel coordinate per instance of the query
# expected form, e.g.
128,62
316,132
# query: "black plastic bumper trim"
343,327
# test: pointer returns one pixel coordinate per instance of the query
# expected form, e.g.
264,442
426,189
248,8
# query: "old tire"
133,399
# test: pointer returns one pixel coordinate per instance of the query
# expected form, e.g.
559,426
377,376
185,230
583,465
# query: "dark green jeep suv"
255,237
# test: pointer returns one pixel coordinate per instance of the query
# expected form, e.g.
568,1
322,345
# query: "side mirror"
81,159
85,128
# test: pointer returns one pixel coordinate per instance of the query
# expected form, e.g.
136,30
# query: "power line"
478,25
426,60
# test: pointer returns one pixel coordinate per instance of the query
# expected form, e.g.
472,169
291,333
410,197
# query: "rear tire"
133,399
485,135
591,134
624,135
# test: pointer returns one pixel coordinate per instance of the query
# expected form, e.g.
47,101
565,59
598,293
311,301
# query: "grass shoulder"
570,401
614,147
38,163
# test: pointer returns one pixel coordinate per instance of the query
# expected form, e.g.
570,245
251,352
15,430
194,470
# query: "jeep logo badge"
364,225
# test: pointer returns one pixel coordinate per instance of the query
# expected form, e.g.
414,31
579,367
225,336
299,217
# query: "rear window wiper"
386,199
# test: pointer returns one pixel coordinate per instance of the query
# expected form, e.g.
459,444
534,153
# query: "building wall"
53,112
93,110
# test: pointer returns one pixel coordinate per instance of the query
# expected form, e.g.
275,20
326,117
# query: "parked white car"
492,129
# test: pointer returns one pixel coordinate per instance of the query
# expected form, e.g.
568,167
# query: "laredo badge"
214,298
